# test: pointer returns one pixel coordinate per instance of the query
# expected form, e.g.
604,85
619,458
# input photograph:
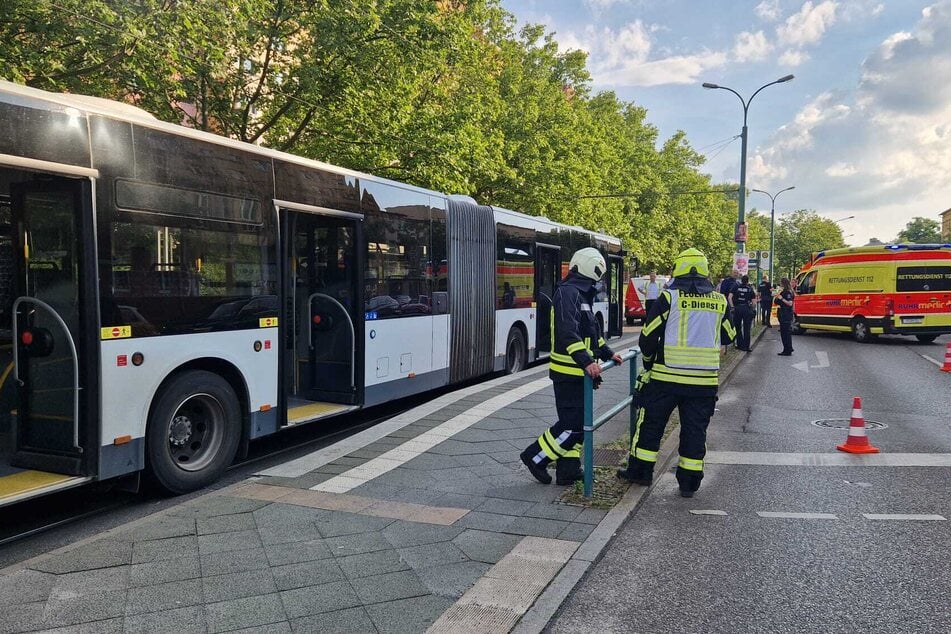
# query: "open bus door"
547,275
54,327
615,296
324,317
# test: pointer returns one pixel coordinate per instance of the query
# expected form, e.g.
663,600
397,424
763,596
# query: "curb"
548,603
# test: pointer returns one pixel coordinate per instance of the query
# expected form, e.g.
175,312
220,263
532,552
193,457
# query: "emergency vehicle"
635,301
895,289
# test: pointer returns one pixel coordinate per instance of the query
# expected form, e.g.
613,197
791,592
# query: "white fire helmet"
589,262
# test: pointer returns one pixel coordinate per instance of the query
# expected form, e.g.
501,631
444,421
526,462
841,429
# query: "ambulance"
895,289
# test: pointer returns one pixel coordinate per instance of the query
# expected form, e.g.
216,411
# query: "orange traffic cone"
947,358
857,440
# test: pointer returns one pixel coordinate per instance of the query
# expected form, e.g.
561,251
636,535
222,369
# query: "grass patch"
608,490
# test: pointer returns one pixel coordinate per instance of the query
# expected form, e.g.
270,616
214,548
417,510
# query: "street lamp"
741,246
844,219
772,225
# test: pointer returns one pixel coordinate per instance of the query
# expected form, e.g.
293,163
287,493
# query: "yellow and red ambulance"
900,289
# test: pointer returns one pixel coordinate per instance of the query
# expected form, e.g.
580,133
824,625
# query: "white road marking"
903,516
823,358
828,459
706,512
934,361
802,366
797,516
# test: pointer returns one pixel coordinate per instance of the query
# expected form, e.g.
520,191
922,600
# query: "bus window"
911,279
514,267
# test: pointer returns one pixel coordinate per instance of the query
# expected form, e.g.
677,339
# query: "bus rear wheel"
516,354
860,330
193,432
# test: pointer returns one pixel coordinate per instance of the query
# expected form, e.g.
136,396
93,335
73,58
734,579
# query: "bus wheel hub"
180,431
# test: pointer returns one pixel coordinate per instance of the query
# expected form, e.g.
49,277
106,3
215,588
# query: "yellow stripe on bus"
27,481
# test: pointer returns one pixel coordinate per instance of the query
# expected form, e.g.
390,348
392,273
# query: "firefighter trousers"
564,438
657,405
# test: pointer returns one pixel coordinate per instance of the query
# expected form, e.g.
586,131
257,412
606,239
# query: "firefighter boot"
539,472
568,471
637,472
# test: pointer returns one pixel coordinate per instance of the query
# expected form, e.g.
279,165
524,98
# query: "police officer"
682,342
741,298
765,292
577,341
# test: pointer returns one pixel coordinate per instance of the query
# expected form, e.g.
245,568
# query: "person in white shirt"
651,291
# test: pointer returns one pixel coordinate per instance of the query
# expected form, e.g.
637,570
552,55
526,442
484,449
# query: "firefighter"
686,333
577,340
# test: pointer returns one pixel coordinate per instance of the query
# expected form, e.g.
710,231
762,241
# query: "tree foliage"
799,235
920,231
443,94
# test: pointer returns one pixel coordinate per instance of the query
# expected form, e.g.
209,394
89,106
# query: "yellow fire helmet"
691,261
589,262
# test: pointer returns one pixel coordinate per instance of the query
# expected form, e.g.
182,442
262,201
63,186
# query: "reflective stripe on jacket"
576,333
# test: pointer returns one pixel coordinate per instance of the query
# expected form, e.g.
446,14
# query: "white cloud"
683,69
769,10
793,58
841,169
751,47
808,25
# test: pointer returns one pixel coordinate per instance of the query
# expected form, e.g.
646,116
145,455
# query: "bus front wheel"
516,353
193,432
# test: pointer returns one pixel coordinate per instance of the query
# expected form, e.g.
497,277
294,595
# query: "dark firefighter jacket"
575,330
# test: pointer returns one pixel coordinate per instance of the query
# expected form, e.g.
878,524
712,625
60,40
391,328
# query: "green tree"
799,235
920,231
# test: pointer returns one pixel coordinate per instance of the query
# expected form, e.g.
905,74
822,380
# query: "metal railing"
591,424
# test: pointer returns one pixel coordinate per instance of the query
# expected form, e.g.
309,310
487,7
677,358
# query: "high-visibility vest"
692,339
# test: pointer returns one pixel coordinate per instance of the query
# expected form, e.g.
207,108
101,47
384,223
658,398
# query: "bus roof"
84,104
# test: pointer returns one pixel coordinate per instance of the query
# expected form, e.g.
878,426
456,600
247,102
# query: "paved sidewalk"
428,521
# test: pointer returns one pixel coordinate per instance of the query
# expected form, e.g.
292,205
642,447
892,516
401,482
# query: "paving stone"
181,621
223,542
89,607
378,563
233,561
237,585
24,617
485,546
348,461
340,523
162,528
104,553
393,493
576,532
406,534
164,596
76,584
279,514
453,447
537,527
107,626
459,500
308,573
555,511
212,505
317,599
25,586
432,555
357,544
282,534
333,469
591,516
407,615
431,462
159,549
270,628
389,587
531,491
486,521
452,580
249,612
505,507
178,569
296,552
350,621
226,524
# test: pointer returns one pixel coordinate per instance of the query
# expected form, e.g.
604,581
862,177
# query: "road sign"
741,263
764,257
753,263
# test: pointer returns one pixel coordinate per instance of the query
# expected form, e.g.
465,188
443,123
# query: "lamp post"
740,245
844,219
772,225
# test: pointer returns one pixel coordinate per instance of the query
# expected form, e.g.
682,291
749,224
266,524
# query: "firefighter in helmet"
577,344
687,332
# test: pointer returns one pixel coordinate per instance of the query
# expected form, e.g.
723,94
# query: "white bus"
172,295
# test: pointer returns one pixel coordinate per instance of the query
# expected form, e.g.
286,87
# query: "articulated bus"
171,295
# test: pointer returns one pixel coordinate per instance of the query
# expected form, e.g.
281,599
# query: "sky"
863,130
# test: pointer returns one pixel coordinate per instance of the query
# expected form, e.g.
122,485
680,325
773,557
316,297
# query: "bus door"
54,326
325,311
615,283
547,275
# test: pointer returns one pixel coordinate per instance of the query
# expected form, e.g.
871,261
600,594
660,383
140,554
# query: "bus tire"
516,353
193,432
926,338
860,330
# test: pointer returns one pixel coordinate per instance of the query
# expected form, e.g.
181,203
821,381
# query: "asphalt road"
833,570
